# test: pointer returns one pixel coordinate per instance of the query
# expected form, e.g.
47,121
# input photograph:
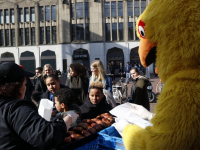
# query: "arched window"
81,56
134,56
117,56
48,57
5,57
27,60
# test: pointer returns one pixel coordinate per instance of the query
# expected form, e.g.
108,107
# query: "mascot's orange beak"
147,52
156,70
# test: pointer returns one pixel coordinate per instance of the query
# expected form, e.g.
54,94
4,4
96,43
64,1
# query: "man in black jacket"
127,71
38,73
112,71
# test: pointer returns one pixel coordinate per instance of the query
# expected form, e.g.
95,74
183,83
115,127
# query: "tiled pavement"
154,80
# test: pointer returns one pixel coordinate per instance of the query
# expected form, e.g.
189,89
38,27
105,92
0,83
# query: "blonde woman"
99,74
40,86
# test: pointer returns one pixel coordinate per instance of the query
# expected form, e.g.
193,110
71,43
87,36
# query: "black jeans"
112,77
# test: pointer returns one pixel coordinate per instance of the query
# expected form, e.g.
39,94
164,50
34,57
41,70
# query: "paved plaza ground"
154,81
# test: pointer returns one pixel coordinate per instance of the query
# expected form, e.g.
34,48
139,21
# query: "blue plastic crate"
89,146
111,139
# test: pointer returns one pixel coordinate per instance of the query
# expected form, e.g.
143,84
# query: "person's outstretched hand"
120,124
73,115
142,112
70,119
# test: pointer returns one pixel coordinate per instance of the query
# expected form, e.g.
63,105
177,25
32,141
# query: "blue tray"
110,138
89,146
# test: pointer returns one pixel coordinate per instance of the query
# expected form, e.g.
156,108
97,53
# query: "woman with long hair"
99,74
78,81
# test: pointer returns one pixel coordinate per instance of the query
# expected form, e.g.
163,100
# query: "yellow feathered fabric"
175,26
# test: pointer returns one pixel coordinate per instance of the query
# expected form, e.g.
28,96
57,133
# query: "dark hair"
11,90
66,96
39,68
54,76
136,69
78,69
56,72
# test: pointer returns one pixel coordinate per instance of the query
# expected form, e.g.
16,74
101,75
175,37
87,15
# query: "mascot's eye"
141,31
141,25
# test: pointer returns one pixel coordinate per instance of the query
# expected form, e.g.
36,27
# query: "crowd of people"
118,70
82,97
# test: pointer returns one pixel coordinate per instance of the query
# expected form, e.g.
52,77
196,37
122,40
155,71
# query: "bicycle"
159,86
151,94
117,92
126,91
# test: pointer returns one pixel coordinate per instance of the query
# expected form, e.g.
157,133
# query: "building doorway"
81,56
134,56
48,57
117,56
7,57
27,60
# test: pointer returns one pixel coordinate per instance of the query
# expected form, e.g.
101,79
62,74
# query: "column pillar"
17,56
37,24
16,10
37,57
125,12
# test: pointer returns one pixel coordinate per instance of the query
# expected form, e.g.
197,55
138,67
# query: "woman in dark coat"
78,81
95,103
139,89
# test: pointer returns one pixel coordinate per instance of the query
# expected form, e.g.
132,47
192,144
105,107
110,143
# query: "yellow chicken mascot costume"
170,30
